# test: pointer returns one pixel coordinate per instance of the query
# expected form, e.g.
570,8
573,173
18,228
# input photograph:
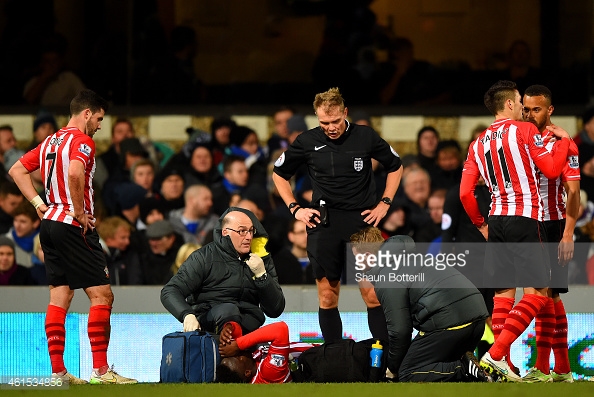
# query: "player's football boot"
500,368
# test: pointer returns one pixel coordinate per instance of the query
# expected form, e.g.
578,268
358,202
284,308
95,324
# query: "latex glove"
256,265
191,323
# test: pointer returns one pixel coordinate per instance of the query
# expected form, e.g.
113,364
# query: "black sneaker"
472,369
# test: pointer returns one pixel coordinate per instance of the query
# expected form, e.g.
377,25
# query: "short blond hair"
329,99
369,239
109,226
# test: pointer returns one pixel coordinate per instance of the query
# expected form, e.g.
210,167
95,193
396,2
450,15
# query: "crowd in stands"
154,207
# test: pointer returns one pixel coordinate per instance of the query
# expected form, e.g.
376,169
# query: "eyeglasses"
243,232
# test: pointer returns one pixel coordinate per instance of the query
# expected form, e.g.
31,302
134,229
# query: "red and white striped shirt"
506,156
551,190
53,157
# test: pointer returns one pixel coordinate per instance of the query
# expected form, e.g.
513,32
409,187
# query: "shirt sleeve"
82,149
289,161
385,154
551,164
571,170
30,160
470,177
276,333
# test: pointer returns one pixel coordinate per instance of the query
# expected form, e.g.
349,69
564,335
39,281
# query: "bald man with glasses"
230,279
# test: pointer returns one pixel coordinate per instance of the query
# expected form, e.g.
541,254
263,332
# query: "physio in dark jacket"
230,279
439,302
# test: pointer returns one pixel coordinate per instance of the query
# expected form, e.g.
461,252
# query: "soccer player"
559,221
267,364
73,256
506,156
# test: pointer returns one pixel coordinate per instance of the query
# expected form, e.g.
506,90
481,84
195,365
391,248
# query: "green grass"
323,390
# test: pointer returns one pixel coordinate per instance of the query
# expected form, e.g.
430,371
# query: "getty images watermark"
485,265
402,266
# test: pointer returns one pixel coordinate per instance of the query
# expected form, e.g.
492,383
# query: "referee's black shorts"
516,254
72,258
559,274
326,245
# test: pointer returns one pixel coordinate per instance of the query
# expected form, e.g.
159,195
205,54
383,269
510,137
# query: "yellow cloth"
488,335
258,246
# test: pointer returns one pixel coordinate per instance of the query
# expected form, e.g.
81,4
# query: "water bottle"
376,355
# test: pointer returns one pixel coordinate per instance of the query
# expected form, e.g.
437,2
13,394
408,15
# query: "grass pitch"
322,390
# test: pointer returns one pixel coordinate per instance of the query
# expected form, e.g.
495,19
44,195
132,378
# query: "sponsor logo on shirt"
85,149
278,360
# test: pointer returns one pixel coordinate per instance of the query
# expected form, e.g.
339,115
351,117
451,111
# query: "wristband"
36,202
294,212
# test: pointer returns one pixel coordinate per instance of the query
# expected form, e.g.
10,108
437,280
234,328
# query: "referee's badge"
280,161
358,163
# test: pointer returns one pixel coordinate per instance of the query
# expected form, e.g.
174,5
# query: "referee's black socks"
330,324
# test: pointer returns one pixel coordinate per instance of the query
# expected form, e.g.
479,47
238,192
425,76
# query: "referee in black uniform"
338,156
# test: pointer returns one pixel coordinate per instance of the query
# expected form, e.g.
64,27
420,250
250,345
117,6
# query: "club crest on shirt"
278,360
573,162
358,163
280,161
85,149
538,142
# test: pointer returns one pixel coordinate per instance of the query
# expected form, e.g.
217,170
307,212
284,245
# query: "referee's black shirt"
340,169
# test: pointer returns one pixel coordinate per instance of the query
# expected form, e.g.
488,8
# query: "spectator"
406,80
163,245
123,263
220,129
43,126
292,263
519,70
244,143
25,227
110,159
235,179
417,188
142,173
447,171
171,189
241,286
182,255
12,273
396,222
427,141
9,153
195,222
128,197
53,85
10,199
201,169
432,230
278,140
585,143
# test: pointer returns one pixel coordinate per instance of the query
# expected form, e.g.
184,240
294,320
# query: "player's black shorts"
559,274
72,258
326,245
516,254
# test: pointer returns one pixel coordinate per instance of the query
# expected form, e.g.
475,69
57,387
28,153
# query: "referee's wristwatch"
386,200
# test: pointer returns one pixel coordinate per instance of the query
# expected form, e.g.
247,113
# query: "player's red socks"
99,330
501,308
56,336
544,327
517,321
560,340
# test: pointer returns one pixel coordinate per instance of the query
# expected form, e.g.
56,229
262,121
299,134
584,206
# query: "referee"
338,157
